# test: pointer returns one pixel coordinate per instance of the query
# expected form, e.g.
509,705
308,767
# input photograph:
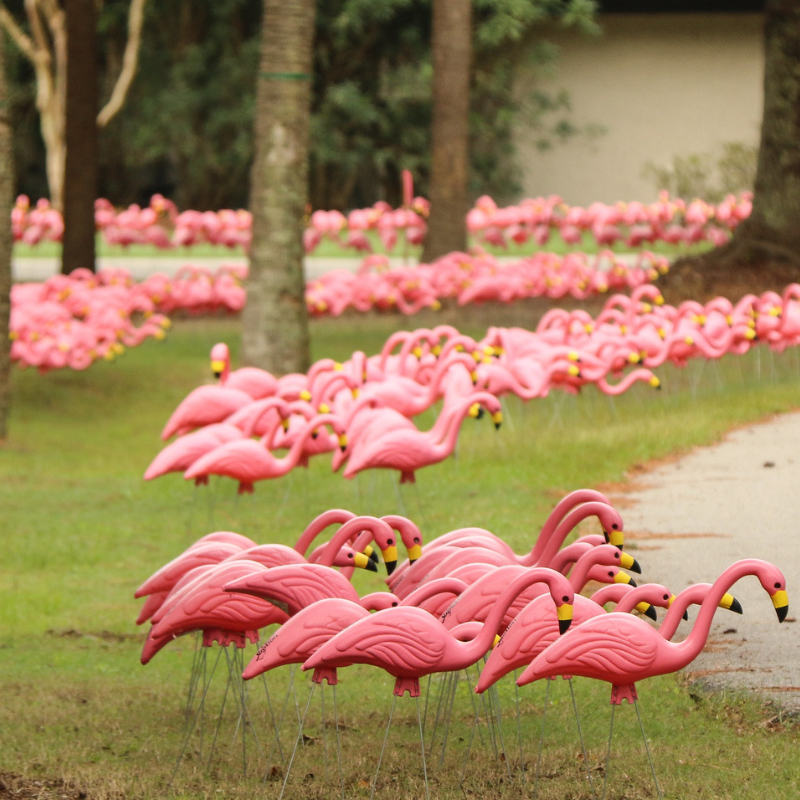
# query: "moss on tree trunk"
275,322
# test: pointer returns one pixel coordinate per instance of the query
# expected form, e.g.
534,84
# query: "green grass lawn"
330,249
81,530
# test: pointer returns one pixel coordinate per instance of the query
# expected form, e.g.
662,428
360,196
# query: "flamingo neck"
547,546
694,594
350,529
691,646
483,641
336,516
565,505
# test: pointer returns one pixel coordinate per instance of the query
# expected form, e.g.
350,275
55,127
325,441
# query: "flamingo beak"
343,442
616,537
629,562
564,618
217,367
414,552
305,395
390,558
623,577
364,562
648,610
655,382
781,602
731,603
371,553
497,418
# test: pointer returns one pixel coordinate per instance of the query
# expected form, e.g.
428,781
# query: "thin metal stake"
272,715
541,738
338,741
296,742
422,748
608,751
647,748
380,758
519,730
202,705
580,734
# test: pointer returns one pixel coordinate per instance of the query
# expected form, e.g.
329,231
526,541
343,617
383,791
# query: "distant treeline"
186,129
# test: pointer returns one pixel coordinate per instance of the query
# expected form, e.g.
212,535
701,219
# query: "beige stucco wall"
660,85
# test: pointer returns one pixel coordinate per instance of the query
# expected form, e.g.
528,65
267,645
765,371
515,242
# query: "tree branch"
130,61
16,33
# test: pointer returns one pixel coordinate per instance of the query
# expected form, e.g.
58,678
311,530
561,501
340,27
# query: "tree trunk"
764,252
275,321
452,60
80,173
6,242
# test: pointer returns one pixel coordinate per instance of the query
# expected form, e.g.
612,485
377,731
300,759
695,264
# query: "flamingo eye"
565,599
390,542
777,585
394,605
616,555
615,526
416,540
349,555
610,574
666,597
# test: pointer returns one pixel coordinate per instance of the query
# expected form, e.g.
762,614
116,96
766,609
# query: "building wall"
660,86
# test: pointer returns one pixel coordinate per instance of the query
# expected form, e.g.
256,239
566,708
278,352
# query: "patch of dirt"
19,788
697,674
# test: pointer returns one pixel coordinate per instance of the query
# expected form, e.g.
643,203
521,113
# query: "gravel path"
691,519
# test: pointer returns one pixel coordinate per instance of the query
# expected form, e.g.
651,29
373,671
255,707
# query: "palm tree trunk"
452,61
764,252
275,321
80,173
6,243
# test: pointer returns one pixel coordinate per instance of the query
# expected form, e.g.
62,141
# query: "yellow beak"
564,617
617,538
414,552
390,558
781,602
217,367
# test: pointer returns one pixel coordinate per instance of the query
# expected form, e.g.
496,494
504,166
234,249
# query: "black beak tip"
390,565
633,583
479,414
371,566
686,616
412,561
497,425
217,374
782,612
373,556
635,567
605,536
736,607
342,447
651,613
563,626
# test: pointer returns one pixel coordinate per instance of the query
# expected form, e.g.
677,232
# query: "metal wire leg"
647,748
541,738
296,742
383,748
608,752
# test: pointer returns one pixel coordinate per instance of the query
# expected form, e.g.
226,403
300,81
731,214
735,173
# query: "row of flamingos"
72,321
369,402
633,224
462,597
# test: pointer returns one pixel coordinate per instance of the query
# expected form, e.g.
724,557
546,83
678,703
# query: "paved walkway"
693,518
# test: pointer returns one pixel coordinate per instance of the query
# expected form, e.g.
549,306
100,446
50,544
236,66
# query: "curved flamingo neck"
270,403
409,531
580,573
691,646
693,594
613,593
565,505
440,373
547,546
431,589
335,516
292,458
349,530
556,583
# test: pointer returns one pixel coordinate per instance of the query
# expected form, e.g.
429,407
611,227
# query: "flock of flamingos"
463,599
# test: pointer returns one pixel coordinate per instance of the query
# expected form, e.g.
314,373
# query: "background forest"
186,129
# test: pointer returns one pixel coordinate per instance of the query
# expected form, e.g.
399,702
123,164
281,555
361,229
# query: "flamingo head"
564,612
220,359
732,604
